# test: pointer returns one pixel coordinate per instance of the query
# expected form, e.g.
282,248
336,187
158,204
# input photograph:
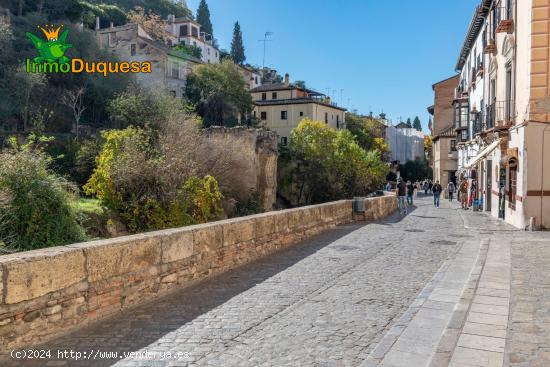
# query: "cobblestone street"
327,301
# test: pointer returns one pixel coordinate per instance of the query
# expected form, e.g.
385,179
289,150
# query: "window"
464,135
264,96
512,183
337,121
301,113
453,145
133,49
274,95
254,114
256,80
284,115
326,117
263,116
112,38
175,70
284,140
461,114
194,31
183,30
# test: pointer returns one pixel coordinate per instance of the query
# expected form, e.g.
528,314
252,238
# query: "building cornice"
476,24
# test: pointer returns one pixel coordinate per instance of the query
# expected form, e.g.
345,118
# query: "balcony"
505,24
491,47
477,126
500,115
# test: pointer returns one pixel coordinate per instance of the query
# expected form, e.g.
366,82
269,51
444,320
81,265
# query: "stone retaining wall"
49,291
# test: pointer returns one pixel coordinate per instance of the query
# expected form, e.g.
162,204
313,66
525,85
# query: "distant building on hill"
281,106
188,32
131,42
406,143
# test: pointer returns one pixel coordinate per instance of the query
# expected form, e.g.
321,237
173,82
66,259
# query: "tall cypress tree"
237,48
409,122
416,124
203,18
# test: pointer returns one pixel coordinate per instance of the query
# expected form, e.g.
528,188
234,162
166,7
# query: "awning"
488,149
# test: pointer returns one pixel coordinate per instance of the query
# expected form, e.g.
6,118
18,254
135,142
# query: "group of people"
405,192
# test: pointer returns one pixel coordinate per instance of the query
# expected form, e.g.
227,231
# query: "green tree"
237,47
418,169
325,164
369,133
416,124
409,124
218,94
203,18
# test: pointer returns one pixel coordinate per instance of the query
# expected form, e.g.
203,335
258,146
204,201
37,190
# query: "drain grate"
345,248
443,243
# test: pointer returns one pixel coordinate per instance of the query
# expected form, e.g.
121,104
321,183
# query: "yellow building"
280,107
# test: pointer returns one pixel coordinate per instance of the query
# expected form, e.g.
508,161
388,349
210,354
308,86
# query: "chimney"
97,24
287,79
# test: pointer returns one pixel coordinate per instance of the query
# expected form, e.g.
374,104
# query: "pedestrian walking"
451,189
430,186
400,192
436,189
410,193
425,187
463,188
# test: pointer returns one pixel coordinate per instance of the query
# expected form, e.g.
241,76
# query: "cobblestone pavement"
324,302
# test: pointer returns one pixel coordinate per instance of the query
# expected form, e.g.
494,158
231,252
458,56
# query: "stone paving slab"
433,309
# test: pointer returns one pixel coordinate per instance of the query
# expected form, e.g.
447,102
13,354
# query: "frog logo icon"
53,49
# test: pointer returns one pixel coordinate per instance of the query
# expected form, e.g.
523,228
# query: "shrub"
324,164
164,192
35,203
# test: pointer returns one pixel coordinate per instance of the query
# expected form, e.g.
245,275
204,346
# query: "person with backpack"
451,189
400,192
436,189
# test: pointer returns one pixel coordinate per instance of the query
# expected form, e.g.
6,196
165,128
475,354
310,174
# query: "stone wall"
257,151
46,292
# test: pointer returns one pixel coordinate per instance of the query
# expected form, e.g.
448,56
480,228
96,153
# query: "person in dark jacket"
410,193
436,189
400,192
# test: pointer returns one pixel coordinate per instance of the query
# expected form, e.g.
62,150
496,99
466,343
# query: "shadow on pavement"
141,326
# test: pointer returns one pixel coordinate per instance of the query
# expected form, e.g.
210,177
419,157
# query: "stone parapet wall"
47,292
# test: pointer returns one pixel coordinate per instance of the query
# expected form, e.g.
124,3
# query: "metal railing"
477,126
500,114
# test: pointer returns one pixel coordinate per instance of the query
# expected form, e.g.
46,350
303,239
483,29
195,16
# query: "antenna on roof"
265,40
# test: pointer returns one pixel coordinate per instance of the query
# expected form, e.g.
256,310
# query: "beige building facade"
280,108
444,140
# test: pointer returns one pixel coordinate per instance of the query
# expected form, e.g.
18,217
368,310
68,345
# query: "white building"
469,100
189,33
406,144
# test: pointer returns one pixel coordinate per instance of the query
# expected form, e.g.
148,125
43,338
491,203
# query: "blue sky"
385,55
